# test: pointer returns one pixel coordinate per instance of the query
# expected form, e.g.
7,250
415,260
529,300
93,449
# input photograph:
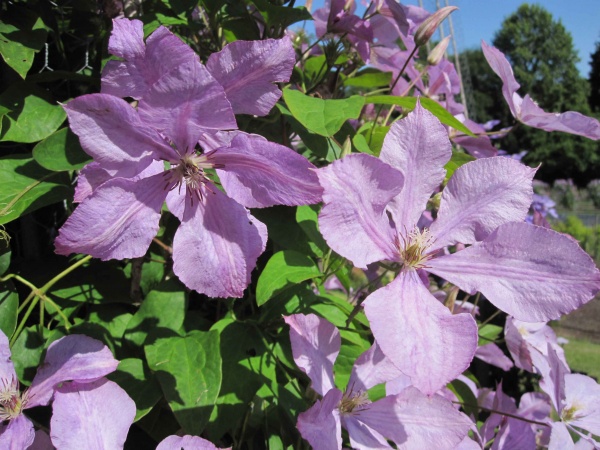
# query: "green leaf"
466,396
9,303
284,270
162,310
33,115
61,151
307,218
374,136
19,46
432,106
361,144
5,252
369,78
27,353
457,160
141,385
281,17
189,372
113,319
324,117
489,333
26,186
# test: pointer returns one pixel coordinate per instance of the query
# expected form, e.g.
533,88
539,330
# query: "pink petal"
514,435
560,438
91,416
18,434
502,68
184,103
75,357
356,190
362,436
258,173
582,396
315,346
481,196
532,273
186,442
110,131
144,66
418,146
372,368
248,70
88,179
7,369
492,354
216,246
117,221
415,331
320,424
413,420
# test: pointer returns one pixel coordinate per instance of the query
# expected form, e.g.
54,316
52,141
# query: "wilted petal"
532,273
248,70
315,346
258,173
569,122
413,420
186,442
75,357
91,416
481,196
418,146
320,424
111,131
18,434
7,369
117,221
133,77
491,354
41,442
186,102
356,191
502,68
372,368
415,331
216,246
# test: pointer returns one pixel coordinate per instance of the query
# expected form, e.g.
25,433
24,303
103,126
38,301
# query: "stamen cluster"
413,247
353,402
12,402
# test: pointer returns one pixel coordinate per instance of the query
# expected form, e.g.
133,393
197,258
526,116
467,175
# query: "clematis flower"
186,442
75,357
371,211
216,247
409,419
525,110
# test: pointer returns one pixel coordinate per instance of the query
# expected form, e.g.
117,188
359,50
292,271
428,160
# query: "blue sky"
480,19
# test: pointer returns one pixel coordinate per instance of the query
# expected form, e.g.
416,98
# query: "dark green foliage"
595,79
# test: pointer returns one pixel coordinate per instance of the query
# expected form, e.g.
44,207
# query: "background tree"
595,79
541,52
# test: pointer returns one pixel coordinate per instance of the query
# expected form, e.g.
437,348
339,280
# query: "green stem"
489,319
502,413
23,321
64,273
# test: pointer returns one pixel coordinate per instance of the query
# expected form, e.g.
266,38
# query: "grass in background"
583,356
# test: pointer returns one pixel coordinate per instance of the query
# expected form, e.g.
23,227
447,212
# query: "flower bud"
429,25
436,55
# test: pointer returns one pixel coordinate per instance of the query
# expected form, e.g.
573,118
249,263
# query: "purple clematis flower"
78,358
410,419
371,211
186,442
525,110
216,247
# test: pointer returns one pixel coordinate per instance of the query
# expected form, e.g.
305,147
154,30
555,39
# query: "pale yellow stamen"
352,402
413,247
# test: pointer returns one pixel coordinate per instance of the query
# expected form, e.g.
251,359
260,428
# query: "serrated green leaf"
139,383
324,117
9,304
61,151
26,186
33,114
283,270
189,371
19,46
432,106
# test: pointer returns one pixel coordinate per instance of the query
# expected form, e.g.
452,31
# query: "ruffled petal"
413,420
18,434
418,146
258,173
184,103
356,191
91,416
216,246
186,442
248,70
502,68
532,273
111,131
315,346
117,221
481,196
415,331
71,358
320,424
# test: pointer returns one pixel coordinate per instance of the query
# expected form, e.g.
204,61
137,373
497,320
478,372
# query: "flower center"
12,402
352,401
189,171
570,413
413,247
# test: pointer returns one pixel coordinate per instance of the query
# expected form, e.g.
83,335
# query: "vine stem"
502,413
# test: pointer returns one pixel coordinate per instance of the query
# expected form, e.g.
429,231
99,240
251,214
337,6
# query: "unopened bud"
438,52
346,147
429,25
